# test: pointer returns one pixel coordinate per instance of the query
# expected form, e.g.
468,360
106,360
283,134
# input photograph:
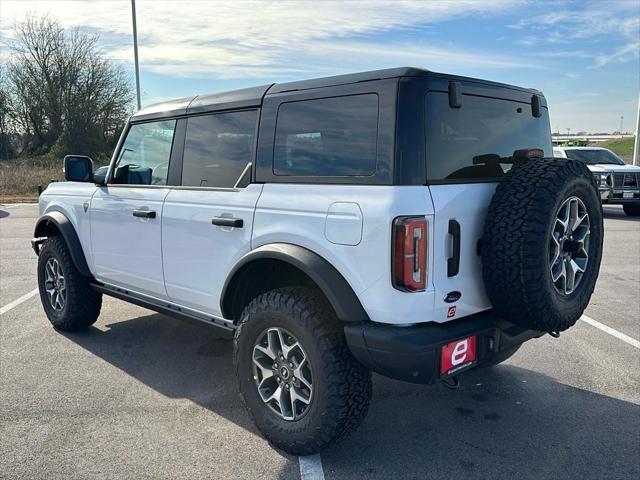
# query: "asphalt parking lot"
141,395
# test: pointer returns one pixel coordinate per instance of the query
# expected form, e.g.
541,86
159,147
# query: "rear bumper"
622,201
412,354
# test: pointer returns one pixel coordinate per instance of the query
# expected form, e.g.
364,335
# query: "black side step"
165,308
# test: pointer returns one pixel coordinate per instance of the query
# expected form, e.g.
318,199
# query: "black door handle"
144,213
453,263
227,222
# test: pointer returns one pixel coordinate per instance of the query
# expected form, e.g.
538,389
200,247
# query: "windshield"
591,157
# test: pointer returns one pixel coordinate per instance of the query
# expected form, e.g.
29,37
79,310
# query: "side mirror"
78,168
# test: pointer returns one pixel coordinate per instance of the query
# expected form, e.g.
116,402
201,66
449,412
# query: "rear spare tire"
542,243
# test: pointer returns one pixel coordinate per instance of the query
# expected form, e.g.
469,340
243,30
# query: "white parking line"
625,338
311,467
18,301
14,205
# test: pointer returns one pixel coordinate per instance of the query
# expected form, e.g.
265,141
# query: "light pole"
621,120
636,144
135,50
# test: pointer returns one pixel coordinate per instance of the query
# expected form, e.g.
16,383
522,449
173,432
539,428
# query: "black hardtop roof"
252,97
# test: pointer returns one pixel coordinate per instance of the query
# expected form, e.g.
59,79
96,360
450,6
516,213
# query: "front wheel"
631,210
68,300
297,377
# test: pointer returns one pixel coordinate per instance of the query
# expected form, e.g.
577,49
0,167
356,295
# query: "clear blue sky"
584,55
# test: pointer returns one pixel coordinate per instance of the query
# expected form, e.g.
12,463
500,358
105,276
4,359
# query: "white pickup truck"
618,183
399,221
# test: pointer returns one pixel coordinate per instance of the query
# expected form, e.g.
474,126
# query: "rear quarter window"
462,143
327,137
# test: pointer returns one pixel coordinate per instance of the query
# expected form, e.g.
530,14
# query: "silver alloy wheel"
282,373
569,245
54,284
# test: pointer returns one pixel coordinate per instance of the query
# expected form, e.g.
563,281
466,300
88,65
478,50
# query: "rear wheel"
68,300
297,377
631,210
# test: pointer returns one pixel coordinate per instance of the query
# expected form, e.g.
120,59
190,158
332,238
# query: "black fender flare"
334,286
60,221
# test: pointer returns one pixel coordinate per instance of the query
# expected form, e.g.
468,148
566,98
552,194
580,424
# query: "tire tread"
515,232
349,384
83,304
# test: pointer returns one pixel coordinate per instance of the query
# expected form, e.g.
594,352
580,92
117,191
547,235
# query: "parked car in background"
618,182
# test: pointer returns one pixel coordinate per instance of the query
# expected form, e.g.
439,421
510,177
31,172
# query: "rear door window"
471,142
327,137
218,149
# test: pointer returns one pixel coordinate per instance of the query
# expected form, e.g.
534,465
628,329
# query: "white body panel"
68,198
127,250
197,255
467,204
343,224
180,256
297,214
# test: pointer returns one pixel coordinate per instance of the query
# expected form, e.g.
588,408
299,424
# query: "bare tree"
65,96
7,145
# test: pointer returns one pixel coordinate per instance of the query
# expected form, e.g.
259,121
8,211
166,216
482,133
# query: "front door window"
144,158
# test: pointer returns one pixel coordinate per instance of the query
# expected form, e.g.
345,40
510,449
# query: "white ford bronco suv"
398,221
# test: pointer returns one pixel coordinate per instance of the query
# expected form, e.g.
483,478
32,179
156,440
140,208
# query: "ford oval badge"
452,296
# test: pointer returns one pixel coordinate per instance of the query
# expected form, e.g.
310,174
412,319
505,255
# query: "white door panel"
198,255
126,249
467,204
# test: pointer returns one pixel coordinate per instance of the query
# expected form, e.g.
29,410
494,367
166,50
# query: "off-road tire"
82,303
631,210
502,356
515,244
342,386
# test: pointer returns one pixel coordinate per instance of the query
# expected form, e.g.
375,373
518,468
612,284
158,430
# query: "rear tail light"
410,253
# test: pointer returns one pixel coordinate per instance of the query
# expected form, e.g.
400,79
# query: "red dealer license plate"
457,355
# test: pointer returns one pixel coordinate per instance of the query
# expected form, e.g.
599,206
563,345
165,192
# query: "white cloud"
599,20
226,39
627,52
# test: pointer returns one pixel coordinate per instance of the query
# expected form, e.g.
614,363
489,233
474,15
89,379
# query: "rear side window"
218,149
327,137
466,143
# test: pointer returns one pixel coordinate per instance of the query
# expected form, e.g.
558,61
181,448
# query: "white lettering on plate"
459,352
